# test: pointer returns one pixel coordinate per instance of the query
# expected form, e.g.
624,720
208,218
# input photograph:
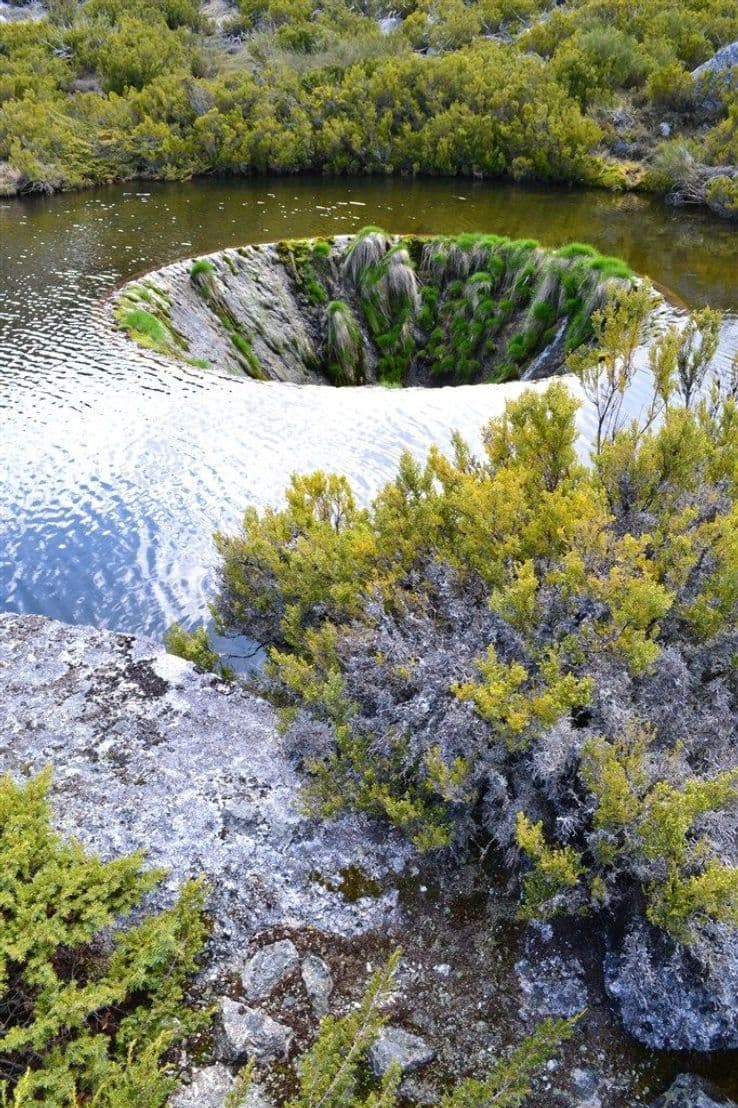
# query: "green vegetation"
574,92
143,312
90,1004
201,265
344,354
333,1072
477,616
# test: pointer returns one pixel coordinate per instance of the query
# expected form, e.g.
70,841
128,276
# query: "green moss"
147,330
201,266
244,347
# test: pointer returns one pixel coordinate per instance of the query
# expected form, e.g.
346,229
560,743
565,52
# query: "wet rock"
318,981
394,1045
147,752
245,1033
692,1092
207,1089
268,967
671,999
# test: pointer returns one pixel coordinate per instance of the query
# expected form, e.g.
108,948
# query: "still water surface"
116,466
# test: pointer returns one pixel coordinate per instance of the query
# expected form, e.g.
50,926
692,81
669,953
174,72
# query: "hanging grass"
344,356
201,267
365,251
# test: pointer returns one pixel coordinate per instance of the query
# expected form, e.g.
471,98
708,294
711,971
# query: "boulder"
245,1033
268,967
692,1092
717,75
671,999
394,1045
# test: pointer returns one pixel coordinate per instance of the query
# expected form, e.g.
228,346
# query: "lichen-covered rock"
207,1089
395,1046
716,76
318,981
148,752
552,982
688,1091
268,967
245,1033
671,999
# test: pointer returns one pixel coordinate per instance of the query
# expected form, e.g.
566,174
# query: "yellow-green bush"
89,1005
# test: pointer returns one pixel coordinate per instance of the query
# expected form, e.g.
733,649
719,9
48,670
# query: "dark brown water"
115,466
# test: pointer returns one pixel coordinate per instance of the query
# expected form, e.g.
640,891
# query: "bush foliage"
119,88
89,1003
471,656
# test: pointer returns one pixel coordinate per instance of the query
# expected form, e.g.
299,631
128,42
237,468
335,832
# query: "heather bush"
468,656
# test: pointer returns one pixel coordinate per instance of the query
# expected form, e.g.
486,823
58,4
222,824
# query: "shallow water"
116,466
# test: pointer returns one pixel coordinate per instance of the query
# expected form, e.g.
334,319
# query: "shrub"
434,654
722,196
671,86
89,1004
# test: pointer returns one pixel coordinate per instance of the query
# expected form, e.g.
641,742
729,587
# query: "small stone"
248,1033
268,967
395,1045
318,981
208,1089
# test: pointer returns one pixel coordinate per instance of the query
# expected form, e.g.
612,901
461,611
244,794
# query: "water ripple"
116,466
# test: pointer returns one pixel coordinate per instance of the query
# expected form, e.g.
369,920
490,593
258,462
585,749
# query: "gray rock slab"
394,1045
148,752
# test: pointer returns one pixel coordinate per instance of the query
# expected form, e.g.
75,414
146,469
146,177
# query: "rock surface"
245,1033
670,999
692,1092
268,967
395,1046
148,752
318,981
208,1089
714,75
